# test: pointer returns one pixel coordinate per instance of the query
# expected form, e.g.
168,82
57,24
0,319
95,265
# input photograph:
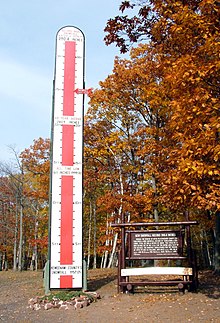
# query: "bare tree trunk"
119,218
89,237
34,260
105,256
154,185
4,261
0,261
105,259
102,261
15,237
21,237
94,239
156,215
217,243
207,249
113,250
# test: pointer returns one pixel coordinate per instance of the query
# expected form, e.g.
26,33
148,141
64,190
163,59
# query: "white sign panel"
66,256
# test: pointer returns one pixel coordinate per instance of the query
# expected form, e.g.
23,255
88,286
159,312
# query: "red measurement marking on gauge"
67,145
66,227
69,78
66,281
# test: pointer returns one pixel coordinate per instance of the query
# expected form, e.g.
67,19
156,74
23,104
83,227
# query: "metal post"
85,287
46,277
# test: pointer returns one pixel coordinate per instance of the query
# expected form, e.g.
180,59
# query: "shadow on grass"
209,284
97,282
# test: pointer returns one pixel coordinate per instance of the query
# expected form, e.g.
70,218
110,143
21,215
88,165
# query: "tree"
36,165
12,193
36,162
124,126
24,190
8,223
185,37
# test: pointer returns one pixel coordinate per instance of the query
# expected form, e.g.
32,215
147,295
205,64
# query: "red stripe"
69,78
66,227
66,281
67,145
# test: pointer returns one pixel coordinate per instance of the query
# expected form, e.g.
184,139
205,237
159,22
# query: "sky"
27,56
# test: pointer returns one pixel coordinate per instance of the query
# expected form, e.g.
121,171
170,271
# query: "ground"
150,305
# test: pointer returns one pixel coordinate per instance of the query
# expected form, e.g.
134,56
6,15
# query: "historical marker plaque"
155,244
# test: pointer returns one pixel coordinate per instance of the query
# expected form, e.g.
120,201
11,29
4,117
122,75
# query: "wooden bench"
180,271
185,272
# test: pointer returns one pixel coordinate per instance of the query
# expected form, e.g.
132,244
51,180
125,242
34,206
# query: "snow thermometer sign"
66,255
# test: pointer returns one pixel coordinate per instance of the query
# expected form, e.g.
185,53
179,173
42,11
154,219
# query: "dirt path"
148,306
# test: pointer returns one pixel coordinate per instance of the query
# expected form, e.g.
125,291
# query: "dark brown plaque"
155,244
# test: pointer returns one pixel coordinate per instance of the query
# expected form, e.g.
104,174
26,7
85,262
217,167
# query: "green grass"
66,296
